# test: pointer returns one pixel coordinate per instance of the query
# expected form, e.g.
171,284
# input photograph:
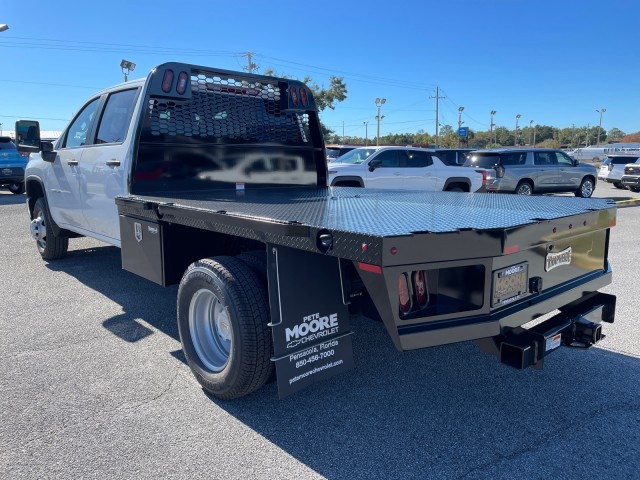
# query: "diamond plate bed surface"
382,212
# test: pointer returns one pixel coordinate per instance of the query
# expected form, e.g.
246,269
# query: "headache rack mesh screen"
226,110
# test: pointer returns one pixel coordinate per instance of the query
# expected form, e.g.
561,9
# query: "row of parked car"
524,171
12,165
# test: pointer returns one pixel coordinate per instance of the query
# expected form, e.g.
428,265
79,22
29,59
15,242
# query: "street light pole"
379,102
601,111
366,134
460,122
530,124
516,135
127,67
534,136
493,112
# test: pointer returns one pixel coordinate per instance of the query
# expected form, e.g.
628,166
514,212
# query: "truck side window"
389,158
116,117
77,133
417,159
564,160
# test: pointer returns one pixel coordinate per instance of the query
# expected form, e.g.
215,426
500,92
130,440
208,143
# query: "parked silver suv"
535,170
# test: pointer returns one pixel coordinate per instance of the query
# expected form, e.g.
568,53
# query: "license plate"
510,284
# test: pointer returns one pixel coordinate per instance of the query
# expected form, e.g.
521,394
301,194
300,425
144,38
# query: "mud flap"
309,318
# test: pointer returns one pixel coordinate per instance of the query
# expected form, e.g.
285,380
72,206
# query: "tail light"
499,171
420,287
304,96
484,176
403,294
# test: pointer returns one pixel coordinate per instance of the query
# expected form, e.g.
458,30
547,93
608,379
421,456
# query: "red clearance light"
304,97
484,176
167,81
403,294
181,87
294,96
367,267
420,286
511,249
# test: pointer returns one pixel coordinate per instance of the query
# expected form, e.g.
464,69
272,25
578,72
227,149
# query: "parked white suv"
408,168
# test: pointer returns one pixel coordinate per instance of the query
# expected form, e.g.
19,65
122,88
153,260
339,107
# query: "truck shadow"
444,412
8,198
100,269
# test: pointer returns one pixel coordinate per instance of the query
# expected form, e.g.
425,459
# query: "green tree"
615,134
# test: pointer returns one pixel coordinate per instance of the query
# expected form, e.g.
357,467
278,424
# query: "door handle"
72,163
113,163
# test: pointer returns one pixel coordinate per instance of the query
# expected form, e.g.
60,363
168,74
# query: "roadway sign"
463,132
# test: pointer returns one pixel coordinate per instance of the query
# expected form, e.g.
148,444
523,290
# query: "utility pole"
530,125
516,141
250,65
437,97
366,134
573,135
586,140
343,132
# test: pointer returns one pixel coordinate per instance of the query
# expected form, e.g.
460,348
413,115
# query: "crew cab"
401,168
217,181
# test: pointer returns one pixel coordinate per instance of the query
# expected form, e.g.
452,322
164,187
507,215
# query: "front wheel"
50,246
223,318
16,187
635,189
619,185
524,188
586,188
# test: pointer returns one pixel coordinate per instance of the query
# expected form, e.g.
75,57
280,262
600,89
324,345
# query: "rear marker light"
181,87
511,249
394,250
167,81
364,247
403,294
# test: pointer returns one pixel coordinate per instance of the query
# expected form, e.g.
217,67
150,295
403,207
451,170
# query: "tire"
524,188
16,188
50,245
586,188
256,260
635,189
619,185
223,321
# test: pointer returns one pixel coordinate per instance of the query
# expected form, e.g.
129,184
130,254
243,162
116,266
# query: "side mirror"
576,162
27,136
47,152
373,164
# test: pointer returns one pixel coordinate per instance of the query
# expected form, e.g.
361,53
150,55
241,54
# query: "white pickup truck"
217,181
409,168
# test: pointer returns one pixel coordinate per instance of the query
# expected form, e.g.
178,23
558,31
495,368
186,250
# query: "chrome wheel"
210,329
39,231
586,189
524,189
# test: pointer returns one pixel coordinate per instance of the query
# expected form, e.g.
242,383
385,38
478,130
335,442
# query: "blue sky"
552,61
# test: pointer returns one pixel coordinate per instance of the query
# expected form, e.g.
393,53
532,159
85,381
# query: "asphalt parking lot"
93,384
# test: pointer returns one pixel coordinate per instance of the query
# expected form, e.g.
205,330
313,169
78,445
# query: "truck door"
568,176
388,172
545,171
421,173
104,163
65,185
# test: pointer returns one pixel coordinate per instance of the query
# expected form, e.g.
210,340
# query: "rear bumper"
502,321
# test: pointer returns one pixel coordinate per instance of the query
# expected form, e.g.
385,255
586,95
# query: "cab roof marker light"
181,86
167,80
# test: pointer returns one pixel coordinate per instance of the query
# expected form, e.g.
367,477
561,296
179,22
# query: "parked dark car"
12,165
454,156
535,170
